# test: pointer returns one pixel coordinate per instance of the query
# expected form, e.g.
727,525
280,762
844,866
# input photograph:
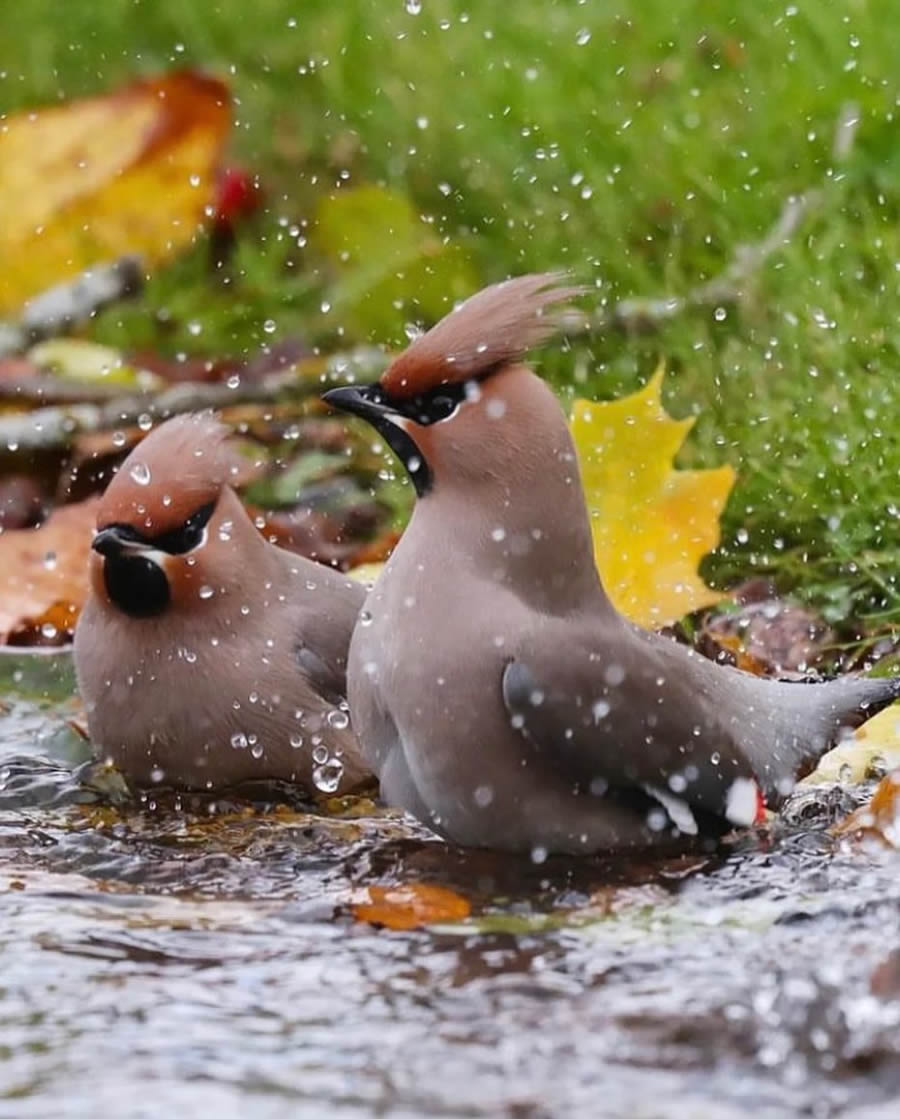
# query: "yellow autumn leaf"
98,178
877,740
651,523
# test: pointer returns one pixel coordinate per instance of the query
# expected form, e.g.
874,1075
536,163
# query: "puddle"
189,960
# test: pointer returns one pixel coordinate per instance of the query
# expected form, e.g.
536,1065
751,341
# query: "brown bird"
205,655
497,693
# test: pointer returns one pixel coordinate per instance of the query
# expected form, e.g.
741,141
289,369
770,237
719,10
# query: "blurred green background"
637,144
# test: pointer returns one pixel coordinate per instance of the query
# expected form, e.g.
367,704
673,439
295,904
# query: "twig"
730,285
55,427
62,308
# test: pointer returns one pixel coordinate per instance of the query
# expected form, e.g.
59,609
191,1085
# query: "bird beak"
115,540
368,401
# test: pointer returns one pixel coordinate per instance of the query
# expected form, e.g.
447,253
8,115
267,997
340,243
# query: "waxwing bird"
205,655
496,692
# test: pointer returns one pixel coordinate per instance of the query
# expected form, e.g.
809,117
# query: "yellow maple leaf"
651,524
98,178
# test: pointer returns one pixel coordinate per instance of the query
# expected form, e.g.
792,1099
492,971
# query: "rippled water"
178,960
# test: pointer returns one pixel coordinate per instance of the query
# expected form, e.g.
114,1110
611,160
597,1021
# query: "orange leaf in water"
98,178
409,906
879,820
651,524
44,575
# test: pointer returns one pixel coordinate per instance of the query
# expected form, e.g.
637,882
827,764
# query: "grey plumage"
238,671
497,693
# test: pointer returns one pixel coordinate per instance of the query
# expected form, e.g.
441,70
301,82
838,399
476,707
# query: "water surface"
199,959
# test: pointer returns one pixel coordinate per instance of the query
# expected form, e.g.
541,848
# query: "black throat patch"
136,585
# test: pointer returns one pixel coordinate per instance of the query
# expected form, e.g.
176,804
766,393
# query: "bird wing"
613,723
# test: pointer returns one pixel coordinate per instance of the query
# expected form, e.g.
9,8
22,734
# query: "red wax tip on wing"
760,807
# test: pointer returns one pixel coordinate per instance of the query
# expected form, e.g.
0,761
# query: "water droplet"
206,591
365,618
257,750
195,328
140,473
498,534
582,37
270,326
157,774
296,741
614,675
50,560
118,438
239,741
413,7
338,719
539,854
720,314
49,630
600,710
327,776
483,795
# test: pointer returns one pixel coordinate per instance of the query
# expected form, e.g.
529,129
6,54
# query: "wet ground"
195,959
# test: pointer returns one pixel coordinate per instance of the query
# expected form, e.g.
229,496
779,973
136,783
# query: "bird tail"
814,717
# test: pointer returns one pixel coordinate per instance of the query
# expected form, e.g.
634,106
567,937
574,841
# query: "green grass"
639,157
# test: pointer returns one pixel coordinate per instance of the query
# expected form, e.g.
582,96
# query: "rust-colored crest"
492,329
179,467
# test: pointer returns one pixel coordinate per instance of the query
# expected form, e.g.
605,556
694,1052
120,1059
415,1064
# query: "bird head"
456,407
171,532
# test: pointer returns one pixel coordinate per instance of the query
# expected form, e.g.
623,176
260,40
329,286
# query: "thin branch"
61,309
731,284
59,426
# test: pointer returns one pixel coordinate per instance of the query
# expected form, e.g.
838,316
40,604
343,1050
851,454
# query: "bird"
205,655
497,693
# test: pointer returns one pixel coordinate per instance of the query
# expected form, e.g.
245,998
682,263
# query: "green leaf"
389,266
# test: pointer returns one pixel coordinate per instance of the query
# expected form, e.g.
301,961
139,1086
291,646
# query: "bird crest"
491,329
179,467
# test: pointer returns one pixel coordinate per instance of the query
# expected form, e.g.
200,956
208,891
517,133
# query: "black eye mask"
379,409
429,408
176,541
137,585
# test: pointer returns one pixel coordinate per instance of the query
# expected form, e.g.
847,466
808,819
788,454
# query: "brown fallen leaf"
408,906
772,637
21,502
330,538
44,573
879,820
93,179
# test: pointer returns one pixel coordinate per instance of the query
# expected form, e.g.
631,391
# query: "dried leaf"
770,638
94,179
44,572
879,820
409,906
79,360
651,523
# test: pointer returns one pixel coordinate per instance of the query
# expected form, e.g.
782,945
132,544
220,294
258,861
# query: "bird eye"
436,407
442,408
188,536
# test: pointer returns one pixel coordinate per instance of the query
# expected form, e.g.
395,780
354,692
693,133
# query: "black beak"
372,404
115,540
368,401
